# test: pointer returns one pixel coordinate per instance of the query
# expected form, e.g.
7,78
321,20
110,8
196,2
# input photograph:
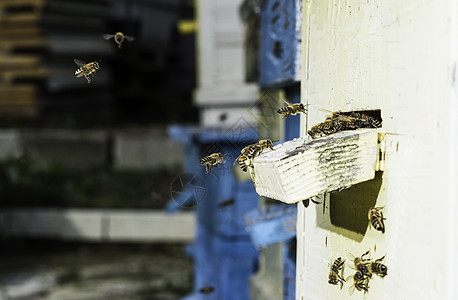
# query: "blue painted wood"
274,225
279,43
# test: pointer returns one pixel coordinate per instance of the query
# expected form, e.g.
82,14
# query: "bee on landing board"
376,218
324,128
86,69
340,121
211,160
119,38
334,276
251,151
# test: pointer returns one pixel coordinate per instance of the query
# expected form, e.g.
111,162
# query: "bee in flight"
361,282
211,160
291,109
119,38
86,69
376,218
334,277
206,290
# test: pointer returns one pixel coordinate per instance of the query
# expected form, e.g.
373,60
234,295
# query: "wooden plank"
303,168
19,61
99,225
13,75
38,42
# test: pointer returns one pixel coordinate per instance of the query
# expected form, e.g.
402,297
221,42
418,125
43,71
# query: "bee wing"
351,289
129,38
108,36
79,63
238,157
287,102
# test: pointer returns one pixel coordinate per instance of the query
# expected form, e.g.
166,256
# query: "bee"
340,121
362,120
251,151
324,128
243,159
292,109
258,148
361,282
226,203
206,290
376,218
362,264
378,268
343,122
86,69
306,202
119,38
366,121
334,277
211,160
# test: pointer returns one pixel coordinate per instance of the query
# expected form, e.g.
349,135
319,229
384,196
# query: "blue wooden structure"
224,256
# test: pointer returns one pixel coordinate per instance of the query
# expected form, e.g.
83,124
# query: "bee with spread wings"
291,109
119,38
86,69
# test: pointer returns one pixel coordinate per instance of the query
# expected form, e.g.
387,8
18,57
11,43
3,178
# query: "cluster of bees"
338,121
365,268
246,156
88,70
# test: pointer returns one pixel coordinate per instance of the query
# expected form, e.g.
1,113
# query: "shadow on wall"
348,209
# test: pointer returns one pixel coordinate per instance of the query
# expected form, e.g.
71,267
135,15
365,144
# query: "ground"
54,271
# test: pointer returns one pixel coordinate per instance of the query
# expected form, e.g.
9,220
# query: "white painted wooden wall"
400,57
222,89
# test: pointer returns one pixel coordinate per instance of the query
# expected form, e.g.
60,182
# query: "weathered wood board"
303,168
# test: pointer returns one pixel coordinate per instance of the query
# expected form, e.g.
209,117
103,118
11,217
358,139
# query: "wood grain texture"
303,168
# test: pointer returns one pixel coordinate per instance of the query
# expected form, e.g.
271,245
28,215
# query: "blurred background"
101,192
74,155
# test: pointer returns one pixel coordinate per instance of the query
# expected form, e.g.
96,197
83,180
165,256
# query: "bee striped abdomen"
243,163
376,218
79,72
211,160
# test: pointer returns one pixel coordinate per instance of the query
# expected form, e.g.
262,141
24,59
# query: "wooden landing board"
303,168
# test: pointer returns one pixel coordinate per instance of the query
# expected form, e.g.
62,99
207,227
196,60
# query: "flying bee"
362,264
86,69
376,218
292,109
211,160
206,290
119,38
361,282
378,268
334,277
